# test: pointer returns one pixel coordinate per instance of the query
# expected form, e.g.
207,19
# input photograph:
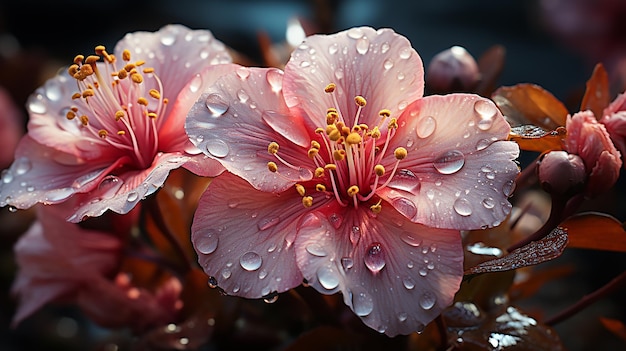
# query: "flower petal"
396,275
236,119
461,172
379,65
244,238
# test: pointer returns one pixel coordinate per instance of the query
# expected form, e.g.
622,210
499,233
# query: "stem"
588,299
556,216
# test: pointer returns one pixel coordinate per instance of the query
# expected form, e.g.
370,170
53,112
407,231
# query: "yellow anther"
72,70
379,170
102,133
122,74
121,132
79,59
334,135
272,148
84,120
129,67
320,187
92,59
142,101
136,77
330,88
319,130
109,58
315,144
88,93
377,207
154,93
140,63
353,190
119,115
400,153
375,133
152,115
100,49
148,70
319,172
70,115
339,155
345,131
364,126
331,109
360,100
126,55
307,201
166,100
331,167
353,138
384,113
313,152
393,123
272,167
300,189
331,117
76,96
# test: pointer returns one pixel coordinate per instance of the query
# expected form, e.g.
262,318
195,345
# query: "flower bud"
452,70
561,173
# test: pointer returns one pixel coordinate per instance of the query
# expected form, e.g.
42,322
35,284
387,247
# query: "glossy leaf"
597,231
530,104
490,65
533,138
614,326
597,92
535,252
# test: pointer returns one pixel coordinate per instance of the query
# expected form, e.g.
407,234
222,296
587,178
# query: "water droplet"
405,207
58,195
53,90
405,180
388,64
488,202
250,261
430,194
12,209
274,77
305,174
400,76
355,33
463,207
333,48
271,298
508,188
347,263
212,282
410,239
482,144
168,39
335,220
7,177
402,105
449,162
339,73
109,186
305,64
36,104
355,234
216,105
262,274
426,126
375,258
362,45
430,265
427,300
132,196
86,179
485,111
327,277
243,72
217,148
405,53
408,283
316,250
195,83
22,165
362,304
206,242
402,316
423,271
243,96
268,222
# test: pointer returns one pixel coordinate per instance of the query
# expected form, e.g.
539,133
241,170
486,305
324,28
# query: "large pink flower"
111,126
340,173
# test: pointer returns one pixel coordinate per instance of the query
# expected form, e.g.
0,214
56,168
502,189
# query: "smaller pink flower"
111,127
614,119
588,138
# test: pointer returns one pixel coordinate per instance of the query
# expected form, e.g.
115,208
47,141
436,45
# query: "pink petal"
379,65
394,274
457,174
615,125
244,237
236,119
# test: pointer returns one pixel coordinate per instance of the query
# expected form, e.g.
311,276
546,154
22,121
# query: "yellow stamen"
315,144
76,96
307,201
121,132
272,166
84,120
154,93
384,113
331,167
380,170
119,115
272,148
102,133
377,207
300,189
320,187
70,115
393,123
136,77
339,155
353,138
313,152
330,88
126,55
142,101
152,115
360,100
78,59
88,93
319,172
353,190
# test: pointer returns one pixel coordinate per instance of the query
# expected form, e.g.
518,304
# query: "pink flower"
588,138
113,130
614,120
324,187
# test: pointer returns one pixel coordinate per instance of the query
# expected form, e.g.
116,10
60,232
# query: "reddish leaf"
598,231
533,138
614,326
597,92
535,252
490,65
530,104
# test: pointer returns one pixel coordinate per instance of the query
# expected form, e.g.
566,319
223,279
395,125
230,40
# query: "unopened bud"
561,173
452,70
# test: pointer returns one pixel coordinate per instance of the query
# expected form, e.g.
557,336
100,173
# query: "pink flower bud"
561,173
452,70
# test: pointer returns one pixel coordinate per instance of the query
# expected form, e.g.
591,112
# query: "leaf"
530,104
490,65
597,231
614,326
533,138
597,92
535,252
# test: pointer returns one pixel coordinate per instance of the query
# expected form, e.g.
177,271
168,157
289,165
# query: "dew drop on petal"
362,304
316,250
206,242
250,261
482,144
327,277
427,300
305,64
339,73
375,258
243,72
388,64
333,48
243,96
384,48
270,298
426,126
488,203
268,222
262,274
35,104
53,90
7,177
508,188
347,263
355,33
405,53
195,83
423,271
132,196
463,207
22,165
449,162
217,148
410,239
212,282
362,45
408,283
355,234
335,220
226,273
485,111
402,316
274,77
405,206
405,180
109,186
216,104
58,195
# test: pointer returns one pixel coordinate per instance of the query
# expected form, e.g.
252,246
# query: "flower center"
349,157
121,105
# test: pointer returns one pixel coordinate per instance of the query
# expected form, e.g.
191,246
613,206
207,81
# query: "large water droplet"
195,83
54,90
405,53
316,250
243,96
362,304
405,180
109,186
36,104
426,126
508,188
449,162
427,300
410,239
268,222
217,148
463,207
250,261
355,235
58,195
216,104
388,64
375,258
408,283
328,277
206,242
86,179
488,202
362,45
22,165
274,77
485,111
168,39
405,207
132,196
355,33
347,263
243,72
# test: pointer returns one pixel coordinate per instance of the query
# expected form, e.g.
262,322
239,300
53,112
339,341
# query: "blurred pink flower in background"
614,120
342,174
113,130
10,128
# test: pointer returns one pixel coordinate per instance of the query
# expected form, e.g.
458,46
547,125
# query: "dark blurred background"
552,43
